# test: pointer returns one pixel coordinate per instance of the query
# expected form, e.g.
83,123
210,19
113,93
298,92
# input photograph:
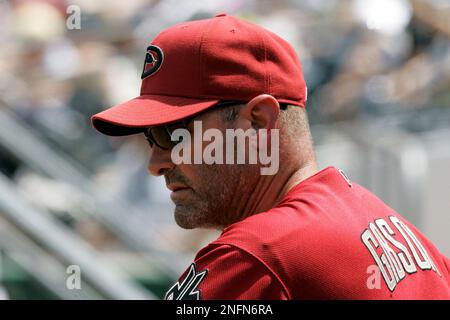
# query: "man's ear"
262,111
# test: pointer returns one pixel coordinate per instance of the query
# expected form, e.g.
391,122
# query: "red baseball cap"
191,66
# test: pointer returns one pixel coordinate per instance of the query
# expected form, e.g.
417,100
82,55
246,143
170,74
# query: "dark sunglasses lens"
172,127
160,137
149,137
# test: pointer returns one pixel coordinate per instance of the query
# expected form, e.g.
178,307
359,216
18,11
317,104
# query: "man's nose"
160,161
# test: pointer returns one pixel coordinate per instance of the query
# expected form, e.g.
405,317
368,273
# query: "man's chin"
184,217
188,217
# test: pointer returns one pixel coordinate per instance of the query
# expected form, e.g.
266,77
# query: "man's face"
206,195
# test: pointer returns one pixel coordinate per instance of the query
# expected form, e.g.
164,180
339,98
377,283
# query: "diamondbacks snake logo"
153,61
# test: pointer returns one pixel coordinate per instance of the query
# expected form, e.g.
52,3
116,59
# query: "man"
296,233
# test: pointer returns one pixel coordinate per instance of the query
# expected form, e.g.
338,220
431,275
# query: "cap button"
222,14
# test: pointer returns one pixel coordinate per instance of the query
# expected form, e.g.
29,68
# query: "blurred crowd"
362,59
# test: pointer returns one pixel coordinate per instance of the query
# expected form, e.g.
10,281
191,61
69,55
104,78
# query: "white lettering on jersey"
391,256
368,238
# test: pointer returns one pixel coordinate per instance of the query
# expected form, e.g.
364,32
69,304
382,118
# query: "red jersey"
328,238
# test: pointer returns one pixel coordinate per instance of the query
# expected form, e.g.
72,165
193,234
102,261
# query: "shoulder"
308,235
286,227
222,271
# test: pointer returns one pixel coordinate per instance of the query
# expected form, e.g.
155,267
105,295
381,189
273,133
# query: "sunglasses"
161,136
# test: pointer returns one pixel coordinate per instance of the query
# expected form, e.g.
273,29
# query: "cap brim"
133,116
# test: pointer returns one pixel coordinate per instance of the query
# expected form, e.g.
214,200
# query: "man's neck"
298,176
272,191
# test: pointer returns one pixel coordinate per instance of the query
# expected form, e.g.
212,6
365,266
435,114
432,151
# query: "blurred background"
378,74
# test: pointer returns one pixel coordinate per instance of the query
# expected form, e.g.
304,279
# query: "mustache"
176,177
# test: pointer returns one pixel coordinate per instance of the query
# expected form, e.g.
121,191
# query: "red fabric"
236,275
145,111
310,247
222,58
